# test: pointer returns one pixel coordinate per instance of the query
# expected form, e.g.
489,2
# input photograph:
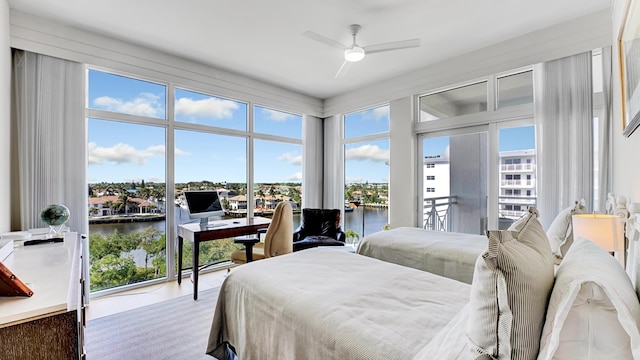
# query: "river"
374,220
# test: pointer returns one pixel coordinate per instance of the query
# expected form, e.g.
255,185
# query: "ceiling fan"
355,52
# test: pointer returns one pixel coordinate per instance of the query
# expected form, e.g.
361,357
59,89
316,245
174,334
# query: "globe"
55,214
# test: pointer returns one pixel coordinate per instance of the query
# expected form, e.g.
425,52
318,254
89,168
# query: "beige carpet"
176,329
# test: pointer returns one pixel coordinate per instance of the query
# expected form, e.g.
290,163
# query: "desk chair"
278,239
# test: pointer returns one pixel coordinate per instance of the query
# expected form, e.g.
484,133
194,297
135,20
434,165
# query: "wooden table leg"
196,267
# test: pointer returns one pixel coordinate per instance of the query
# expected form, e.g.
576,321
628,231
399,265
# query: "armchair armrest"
248,242
340,235
299,234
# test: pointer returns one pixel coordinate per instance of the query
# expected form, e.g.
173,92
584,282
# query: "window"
516,89
196,108
469,99
274,122
366,170
130,130
516,146
456,203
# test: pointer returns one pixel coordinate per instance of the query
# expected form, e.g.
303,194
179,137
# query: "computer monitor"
203,204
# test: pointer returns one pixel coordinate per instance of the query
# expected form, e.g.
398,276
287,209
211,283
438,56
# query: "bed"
325,303
318,303
452,254
448,254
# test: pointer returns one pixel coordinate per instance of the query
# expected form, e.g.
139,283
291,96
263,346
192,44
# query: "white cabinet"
50,324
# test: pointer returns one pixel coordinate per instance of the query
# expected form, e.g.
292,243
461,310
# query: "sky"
125,152
516,138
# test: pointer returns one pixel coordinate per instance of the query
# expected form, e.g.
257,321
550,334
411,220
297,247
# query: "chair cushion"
315,241
240,256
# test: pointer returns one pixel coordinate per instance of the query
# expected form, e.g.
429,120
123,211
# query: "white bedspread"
327,304
451,255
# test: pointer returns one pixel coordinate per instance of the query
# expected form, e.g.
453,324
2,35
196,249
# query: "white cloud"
291,158
210,107
121,154
156,149
295,177
179,152
277,115
368,152
145,104
380,112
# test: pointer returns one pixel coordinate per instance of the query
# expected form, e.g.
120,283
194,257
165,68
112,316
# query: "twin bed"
325,303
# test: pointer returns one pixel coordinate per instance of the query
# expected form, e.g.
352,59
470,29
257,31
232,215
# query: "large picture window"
366,162
143,156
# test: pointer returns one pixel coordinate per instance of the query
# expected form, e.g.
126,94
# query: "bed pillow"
509,293
560,232
593,311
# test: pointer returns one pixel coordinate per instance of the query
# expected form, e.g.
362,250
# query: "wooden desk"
230,228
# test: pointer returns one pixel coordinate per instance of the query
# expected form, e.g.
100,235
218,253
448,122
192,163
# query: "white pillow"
560,233
509,293
593,310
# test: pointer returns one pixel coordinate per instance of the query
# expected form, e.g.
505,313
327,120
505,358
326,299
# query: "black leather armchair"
320,227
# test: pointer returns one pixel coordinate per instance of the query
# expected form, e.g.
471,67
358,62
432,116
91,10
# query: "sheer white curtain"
48,113
605,132
564,120
312,166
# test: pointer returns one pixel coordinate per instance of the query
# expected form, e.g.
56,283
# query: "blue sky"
124,152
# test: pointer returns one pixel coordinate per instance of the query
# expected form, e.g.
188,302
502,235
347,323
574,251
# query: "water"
374,220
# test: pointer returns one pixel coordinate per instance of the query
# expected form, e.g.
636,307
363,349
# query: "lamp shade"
604,230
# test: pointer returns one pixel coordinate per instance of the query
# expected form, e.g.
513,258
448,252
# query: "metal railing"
517,167
522,182
437,211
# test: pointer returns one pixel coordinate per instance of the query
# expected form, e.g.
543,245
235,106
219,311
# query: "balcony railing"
436,213
523,183
517,167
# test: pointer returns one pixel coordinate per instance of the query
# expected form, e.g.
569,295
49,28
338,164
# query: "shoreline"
125,219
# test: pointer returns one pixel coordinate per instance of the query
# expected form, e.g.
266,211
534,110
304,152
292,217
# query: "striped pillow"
509,294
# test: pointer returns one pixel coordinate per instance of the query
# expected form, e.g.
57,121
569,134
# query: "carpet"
176,329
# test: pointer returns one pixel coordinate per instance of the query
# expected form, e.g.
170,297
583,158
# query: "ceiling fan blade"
324,40
343,69
396,45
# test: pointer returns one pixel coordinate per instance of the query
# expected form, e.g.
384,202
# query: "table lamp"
604,230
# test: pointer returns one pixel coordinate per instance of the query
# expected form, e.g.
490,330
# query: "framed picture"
629,56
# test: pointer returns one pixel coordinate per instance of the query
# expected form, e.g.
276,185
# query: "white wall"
5,123
626,171
569,38
54,39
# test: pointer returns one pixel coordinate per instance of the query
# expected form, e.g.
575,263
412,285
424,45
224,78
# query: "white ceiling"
263,39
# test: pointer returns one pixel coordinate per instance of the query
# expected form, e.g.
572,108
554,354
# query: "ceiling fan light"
354,54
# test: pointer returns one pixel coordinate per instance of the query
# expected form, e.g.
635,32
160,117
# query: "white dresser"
50,324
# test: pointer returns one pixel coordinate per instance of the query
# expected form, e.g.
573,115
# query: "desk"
230,228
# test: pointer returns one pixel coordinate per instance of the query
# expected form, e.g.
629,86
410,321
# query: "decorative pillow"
509,293
593,311
560,233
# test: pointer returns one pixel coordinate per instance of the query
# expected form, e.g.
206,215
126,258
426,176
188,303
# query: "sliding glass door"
455,182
